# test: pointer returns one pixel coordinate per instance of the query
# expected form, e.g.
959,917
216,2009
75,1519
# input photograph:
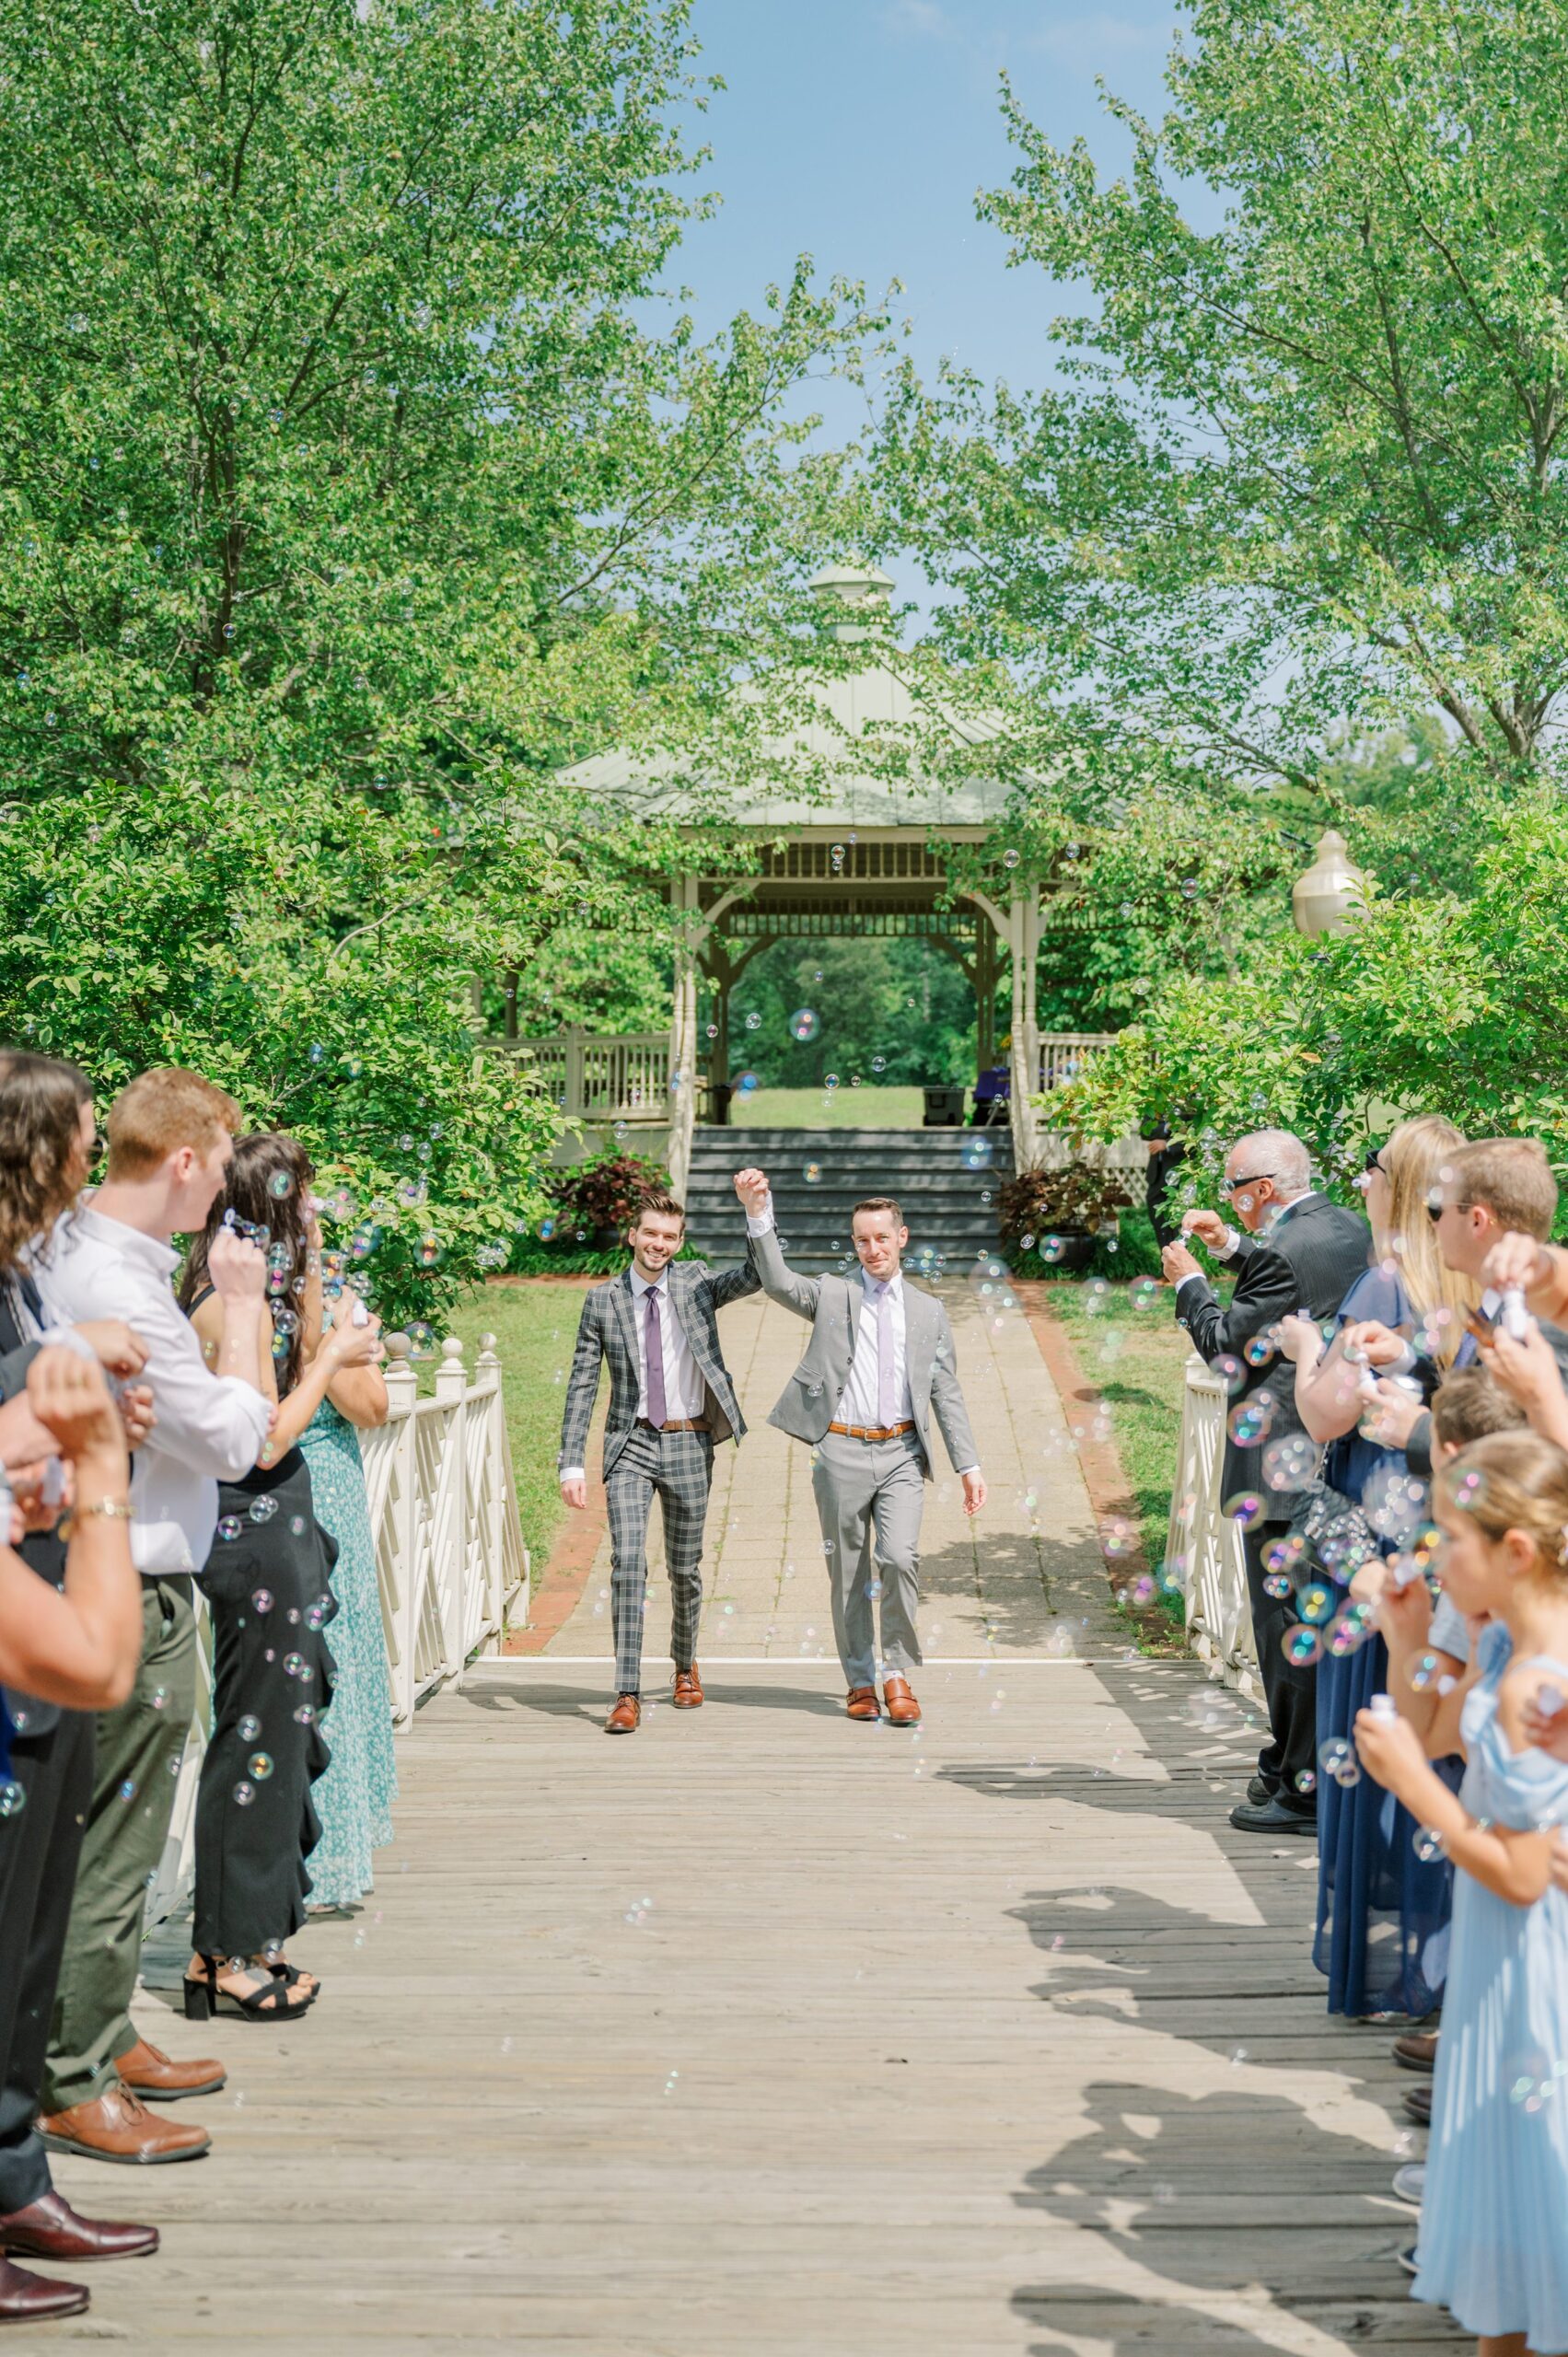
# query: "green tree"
354,474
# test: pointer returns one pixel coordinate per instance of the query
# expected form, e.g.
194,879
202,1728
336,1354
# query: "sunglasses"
1435,1206
1229,1185
1375,1160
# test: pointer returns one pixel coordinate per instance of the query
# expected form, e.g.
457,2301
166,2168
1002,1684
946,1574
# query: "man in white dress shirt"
879,1368
171,1140
671,1398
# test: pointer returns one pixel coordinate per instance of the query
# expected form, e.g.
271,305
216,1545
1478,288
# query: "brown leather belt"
874,1431
684,1425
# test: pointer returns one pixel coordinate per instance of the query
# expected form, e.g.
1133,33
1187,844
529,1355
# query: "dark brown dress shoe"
625,1717
1416,2052
152,2075
119,2127
689,1688
33,2299
902,1708
49,2228
863,1703
1418,2107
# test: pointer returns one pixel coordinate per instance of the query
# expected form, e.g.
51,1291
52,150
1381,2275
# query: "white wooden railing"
1207,1543
450,1560
622,1077
1063,1054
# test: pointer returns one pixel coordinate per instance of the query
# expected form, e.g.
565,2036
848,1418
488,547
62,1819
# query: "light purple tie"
885,1408
656,1361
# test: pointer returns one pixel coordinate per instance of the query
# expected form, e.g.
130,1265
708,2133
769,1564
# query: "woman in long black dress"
268,1585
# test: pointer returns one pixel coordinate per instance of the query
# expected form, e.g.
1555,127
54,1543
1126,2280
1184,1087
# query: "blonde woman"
1382,1912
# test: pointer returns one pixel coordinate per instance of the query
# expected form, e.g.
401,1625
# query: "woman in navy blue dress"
1382,1931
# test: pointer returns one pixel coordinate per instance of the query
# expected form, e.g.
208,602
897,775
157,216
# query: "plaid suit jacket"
608,1334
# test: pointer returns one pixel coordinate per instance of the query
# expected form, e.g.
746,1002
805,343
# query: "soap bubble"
1258,1350
878,1064
1231,1372
753,1022
977,1154
1424,1672
805,1024
421,1340
830,1080
1315,1603
1301,1646
250,1727
263,1600
1053,1249
261,1766
1250,1421
1305,1780
746,1084
1337,1758
264,1509
429,1251
281,1183
229,1527
1289,1463
1277,1584
1427,1843
244,1794
13,1798
293,1665
812,1174
1245,1508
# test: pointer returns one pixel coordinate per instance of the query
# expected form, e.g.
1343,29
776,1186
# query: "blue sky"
859,130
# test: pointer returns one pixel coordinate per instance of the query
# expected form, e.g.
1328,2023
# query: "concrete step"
942,1178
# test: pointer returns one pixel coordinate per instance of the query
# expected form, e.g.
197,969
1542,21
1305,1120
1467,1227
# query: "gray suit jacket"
833,1305
607,1332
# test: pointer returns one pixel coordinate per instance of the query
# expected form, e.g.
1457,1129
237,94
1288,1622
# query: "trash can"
944,1108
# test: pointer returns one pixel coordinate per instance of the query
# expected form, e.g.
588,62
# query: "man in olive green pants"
137,1753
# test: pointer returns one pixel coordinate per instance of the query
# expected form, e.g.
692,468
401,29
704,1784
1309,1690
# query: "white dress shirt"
685,1393
209,1428
860,1402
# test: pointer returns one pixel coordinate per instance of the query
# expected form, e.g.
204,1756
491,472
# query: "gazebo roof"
850,704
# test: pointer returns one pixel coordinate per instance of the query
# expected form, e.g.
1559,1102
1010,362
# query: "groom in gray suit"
879,1367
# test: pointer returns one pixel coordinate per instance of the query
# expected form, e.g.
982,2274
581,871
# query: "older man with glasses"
1293,1250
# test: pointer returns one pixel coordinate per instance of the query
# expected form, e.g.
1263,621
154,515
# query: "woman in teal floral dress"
354,1799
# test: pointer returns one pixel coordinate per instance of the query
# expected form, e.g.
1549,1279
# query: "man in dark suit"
671,1398
1296,1251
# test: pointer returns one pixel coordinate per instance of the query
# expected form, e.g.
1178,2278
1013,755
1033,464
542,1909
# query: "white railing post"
398,1554
493,1500
450,1537
574,1069
1207,1541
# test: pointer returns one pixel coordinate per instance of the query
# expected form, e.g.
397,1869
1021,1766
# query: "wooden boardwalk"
765,2033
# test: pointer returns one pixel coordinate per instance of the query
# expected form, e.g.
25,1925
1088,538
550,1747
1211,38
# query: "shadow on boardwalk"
1233,2167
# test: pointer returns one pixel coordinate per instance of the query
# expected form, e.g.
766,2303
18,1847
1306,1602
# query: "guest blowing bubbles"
268,1583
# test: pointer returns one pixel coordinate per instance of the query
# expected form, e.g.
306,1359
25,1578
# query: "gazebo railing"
624,1077
1062,1054
1206,1542
450,1560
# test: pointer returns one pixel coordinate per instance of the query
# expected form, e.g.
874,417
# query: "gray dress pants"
869,1496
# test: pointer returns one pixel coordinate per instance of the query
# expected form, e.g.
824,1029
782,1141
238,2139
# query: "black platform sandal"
204,1998
291,1975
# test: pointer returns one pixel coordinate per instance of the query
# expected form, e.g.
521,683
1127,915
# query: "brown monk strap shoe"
33,2299
625,1717
1416,2052
863,1703
119,2127
902,1708
152,2075
689,1688
49,2228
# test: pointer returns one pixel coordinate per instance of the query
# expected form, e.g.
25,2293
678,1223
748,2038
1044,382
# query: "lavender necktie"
656,1361
885,1407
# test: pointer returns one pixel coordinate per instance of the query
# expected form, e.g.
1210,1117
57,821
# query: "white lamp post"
1329,895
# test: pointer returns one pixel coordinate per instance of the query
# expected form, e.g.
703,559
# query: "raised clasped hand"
752,1186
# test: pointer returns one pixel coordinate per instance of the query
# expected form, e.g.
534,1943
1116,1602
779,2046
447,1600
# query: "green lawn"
807,1109
535,1324
1136,1357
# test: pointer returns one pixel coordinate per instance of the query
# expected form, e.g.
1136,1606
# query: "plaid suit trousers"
679,1466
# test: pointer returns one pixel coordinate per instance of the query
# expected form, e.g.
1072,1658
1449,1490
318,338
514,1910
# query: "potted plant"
1061,1215
600,1197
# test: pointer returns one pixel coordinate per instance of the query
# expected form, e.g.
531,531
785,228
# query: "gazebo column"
683,1035
987,968
1018,926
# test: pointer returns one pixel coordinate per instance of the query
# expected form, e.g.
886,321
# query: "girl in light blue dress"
1494,2244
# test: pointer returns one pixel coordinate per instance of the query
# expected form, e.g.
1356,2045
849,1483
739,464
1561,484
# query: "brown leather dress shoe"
1418,2107
689,1688
863,1703
33,2299
119,2127
150,2075
1416,2052
902,1708
49,2228
625,1717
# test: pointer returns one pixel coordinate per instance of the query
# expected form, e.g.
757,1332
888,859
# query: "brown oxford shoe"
33,2299
688,1693
625,1717
863,1703
902,1708
152,2075
1416,2052
49,2228
119,2127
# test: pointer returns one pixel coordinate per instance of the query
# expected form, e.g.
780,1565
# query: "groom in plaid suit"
671,1398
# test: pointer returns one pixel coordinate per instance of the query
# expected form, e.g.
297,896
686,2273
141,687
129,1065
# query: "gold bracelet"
112,1509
